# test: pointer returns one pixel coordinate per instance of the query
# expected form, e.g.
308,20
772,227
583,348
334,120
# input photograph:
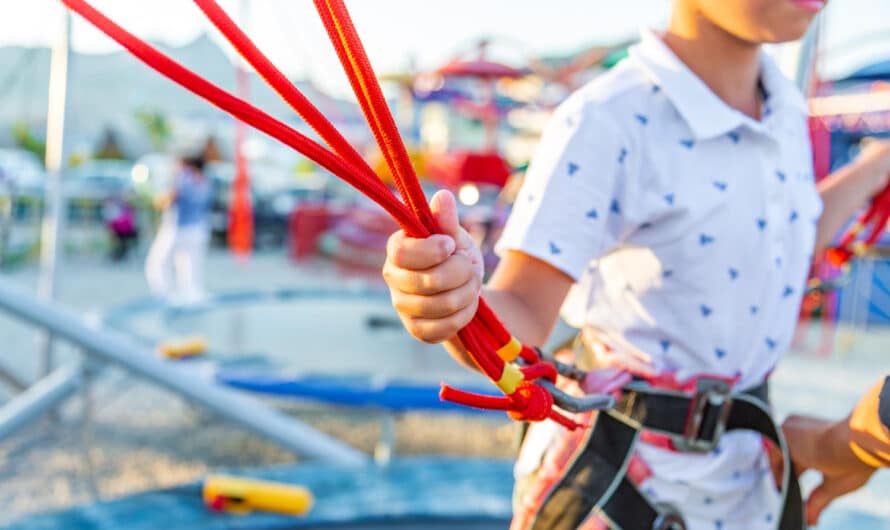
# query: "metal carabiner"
577,404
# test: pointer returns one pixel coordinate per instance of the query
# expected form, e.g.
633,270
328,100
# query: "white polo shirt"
688,226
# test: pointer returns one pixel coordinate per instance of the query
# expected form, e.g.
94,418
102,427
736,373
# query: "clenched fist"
435,282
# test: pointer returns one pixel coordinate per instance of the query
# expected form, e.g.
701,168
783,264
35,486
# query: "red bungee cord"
875,218
490,345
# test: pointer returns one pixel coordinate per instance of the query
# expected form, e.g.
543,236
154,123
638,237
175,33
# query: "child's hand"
825,446
435,282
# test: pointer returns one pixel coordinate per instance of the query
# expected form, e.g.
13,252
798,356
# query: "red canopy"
479,68
453,169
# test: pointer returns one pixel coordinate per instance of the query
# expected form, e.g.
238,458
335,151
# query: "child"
120,218
670,211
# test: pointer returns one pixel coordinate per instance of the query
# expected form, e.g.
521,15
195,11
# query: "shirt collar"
705,113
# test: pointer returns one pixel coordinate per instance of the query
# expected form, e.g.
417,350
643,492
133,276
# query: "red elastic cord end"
540,370
837,257
469,399
529,355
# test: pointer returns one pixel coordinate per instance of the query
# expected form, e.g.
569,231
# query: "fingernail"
449,246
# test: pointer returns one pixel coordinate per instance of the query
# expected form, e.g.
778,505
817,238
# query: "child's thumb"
444,209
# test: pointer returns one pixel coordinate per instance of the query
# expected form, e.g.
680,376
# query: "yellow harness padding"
510,351
241,495
510,379
869,436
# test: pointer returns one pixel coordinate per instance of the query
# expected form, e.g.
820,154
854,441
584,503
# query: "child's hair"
196,162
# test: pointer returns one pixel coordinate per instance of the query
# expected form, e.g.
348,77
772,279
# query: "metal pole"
54,206
43,396
141,361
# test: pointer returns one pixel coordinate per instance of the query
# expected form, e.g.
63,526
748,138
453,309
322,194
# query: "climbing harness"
595,482
526,378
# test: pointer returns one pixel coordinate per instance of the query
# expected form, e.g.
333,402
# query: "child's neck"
728,65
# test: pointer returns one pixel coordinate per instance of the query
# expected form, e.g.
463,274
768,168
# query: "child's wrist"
870,176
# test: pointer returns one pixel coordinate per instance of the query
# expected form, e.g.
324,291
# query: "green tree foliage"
156,126
25,139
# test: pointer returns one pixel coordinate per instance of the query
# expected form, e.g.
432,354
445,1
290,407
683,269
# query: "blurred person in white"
175,264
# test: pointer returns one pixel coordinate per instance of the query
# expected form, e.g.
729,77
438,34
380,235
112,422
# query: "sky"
427,31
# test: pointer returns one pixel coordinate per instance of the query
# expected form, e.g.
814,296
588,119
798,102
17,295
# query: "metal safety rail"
106,346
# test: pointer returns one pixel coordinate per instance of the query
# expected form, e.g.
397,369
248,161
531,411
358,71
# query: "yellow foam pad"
510,379
179,349
510,351
241,495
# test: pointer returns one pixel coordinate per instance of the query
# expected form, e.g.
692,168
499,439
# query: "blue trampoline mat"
420,493
397,396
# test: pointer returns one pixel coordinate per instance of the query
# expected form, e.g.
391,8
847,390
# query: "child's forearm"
843,193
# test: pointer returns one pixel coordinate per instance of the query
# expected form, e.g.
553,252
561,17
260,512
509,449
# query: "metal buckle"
668,518
708,392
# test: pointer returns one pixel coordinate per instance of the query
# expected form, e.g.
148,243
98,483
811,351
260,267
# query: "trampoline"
340,346
411,494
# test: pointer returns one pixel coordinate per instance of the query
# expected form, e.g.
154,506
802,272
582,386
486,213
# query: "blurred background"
289,315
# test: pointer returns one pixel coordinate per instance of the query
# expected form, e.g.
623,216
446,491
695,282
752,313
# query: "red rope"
485,334
288,92
354,59
874,220
243,111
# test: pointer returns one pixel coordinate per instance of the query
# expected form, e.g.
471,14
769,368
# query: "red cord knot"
530,402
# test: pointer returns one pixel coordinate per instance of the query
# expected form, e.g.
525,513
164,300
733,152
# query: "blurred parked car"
22,181
22,171
275,192
90,185
99,179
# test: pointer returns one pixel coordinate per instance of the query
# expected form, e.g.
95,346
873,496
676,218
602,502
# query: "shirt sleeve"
569,209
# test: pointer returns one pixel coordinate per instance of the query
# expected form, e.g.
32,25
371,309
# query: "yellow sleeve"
870,426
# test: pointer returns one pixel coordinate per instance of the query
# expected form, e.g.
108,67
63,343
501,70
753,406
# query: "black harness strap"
596,483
